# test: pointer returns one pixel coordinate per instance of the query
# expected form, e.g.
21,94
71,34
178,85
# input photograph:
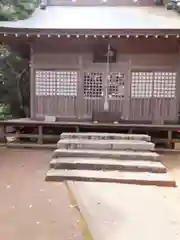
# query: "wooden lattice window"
164,84
45,83
116,85
52,83
66,83
142,84
93,84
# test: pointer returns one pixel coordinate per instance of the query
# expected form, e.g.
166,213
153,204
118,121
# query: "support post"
170,139
130,131
77,129
3,134
40,134
106,103
32,85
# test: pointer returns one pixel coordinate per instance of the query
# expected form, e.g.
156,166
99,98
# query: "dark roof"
94,18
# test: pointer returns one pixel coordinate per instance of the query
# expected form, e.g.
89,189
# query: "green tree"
16,9
14,68
14,82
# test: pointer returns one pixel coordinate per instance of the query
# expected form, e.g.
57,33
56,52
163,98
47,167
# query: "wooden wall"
160,56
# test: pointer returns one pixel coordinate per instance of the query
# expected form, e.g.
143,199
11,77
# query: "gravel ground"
172,162
32,209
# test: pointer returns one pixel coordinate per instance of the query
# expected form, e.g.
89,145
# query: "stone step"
107,136
141,178
136,145
123,155
107,164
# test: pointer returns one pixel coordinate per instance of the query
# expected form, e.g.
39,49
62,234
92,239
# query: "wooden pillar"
40,134
3,134
18,134
127,103
178,87
77,129
170,139
130,131
80,96
32,86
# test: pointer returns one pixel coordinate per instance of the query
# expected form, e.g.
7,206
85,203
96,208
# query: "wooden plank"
31,145
34,136
164,127
107,164
139,178
175,140
164,150
53,147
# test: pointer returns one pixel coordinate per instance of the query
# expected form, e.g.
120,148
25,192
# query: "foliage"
16,9
4,112
14,82
14,69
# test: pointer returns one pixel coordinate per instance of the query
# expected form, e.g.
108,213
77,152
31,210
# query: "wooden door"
92,88
119,89
93,82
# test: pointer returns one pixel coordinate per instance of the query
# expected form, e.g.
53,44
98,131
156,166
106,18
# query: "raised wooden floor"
166,135
123,125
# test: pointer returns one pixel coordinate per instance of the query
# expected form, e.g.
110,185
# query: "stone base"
123,155
106,157
107,164
140,178
105,144
105,136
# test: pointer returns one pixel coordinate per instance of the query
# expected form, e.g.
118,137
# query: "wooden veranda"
46,134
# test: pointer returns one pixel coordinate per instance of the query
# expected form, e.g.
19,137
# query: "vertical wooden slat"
178,87
128,90
33,99
80,95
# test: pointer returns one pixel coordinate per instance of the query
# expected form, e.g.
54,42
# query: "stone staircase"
106,157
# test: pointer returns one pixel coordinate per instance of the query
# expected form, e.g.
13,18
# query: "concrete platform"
123,155
136,145
106,136
128,212
107,164
141,178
